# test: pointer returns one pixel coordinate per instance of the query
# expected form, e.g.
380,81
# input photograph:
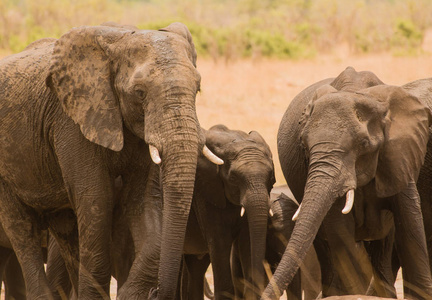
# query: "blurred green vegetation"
236,28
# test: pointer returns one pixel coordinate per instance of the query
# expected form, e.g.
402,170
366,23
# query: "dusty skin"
254,94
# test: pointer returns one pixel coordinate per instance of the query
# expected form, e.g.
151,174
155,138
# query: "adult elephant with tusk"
354,135
79,111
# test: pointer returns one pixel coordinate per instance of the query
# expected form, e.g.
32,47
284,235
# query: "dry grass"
253,95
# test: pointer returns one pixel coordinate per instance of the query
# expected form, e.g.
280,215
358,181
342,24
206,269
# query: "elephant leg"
294,291
349,258
57,271
143,206
122,247
311,275
5,255
381,253
220,258
411,244
14,281
424,187
21,227
237,273
196,267
63,253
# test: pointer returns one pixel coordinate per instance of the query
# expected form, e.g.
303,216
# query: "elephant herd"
105,171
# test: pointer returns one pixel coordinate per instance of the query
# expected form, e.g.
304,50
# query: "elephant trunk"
179,156
323,187
257,207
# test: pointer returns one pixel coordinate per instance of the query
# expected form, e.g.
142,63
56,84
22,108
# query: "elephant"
77,112
221,194
280,227
308,280
355,136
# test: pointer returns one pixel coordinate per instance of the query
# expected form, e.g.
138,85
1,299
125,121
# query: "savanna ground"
253,94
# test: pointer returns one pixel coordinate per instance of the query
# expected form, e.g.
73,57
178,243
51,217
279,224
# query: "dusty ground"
254,94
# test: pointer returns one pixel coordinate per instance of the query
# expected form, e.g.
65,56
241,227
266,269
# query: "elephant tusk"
211,156
271,212
349,202
296,213
154,154
242,211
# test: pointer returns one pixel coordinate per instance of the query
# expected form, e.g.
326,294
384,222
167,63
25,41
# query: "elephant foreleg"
196,268
14,281
381,252
20,225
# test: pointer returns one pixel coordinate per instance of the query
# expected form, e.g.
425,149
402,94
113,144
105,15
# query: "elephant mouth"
349,203
155,156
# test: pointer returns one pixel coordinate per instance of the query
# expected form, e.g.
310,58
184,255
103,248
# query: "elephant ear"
80,76
217,137
406,138
182,30
208,177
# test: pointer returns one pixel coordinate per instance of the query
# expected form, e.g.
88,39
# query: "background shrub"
236,28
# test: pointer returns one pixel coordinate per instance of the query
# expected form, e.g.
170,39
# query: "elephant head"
247,177
110,79
353,131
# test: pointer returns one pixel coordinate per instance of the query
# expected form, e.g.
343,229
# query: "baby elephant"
224,198
280,227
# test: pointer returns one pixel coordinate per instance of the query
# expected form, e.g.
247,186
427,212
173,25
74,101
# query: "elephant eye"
140,93
365,143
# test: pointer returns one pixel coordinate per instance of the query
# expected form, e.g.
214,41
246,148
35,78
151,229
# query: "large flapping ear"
319,92
80,76
182,30
404,149
352,81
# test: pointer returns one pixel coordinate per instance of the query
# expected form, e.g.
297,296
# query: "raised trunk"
257,213
321,190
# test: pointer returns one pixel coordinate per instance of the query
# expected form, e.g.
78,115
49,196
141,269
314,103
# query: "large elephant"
79,111
353,135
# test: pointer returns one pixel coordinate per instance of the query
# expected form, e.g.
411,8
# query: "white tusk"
211,156
154,154
349,202
242,212
271,212
296,213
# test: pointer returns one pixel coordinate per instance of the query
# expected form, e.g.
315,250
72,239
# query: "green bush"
235,28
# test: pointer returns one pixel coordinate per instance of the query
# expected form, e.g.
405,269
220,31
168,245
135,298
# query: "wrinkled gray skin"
245,179
278,235
354,132
422,89
111,92
10,270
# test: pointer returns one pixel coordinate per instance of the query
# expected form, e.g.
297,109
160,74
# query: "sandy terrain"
253,95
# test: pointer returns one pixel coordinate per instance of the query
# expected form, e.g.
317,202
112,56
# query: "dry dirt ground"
254,94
